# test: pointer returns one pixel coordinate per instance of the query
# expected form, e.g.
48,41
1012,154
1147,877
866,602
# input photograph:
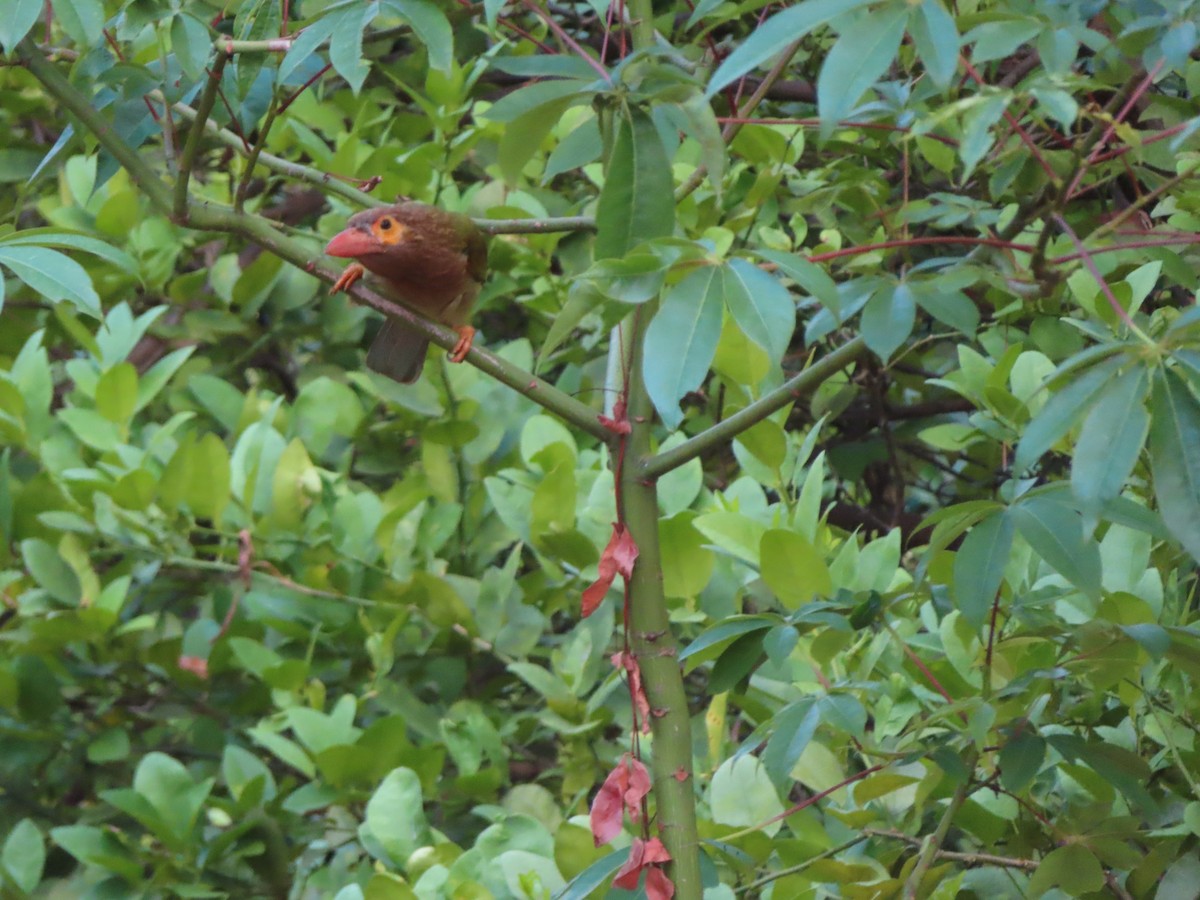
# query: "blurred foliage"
274,626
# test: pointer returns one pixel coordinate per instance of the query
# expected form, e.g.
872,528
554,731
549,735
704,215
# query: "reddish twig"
567,40
1021,132
919,242
300,90
1091,267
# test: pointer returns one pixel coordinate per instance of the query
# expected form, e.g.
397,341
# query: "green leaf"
811,277
1064,408
775,34
793,568
192,44
523,137
97,847
760,305
116,393
888,318
1175,458
345,44
1111,439
1055,532
863,52
937,41
305,46
168,787
512,106
52,274
395,817
703,128
16,22
741,794
577,149
979,567
952,307
977,136
431,27
24,855
257,20
1021,758
637,202
51,571
82,20
998,39
681,342
795,726
1074,868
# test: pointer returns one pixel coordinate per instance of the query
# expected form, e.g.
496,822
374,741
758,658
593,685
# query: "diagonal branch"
301,253
794,388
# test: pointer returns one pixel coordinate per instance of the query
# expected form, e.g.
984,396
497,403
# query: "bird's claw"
466,335
350,274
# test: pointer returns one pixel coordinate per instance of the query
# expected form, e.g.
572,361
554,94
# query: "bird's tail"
398,352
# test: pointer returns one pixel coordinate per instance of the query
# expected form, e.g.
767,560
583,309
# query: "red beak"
352,243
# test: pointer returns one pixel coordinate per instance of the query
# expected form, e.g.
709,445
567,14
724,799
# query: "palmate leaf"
863,52
1111,440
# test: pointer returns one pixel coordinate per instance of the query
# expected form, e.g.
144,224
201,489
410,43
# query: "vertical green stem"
654,646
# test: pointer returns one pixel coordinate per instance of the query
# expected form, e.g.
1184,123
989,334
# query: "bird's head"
371,232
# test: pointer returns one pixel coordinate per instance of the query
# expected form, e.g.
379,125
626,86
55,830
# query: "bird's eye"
385,224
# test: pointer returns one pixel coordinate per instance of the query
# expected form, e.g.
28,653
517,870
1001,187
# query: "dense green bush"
870,326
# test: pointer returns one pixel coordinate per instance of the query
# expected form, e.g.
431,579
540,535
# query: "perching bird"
434,260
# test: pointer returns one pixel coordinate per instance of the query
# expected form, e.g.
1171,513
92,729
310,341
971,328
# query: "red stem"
1024,135
920,242
1091,267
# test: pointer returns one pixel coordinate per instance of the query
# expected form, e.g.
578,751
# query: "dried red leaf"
655,852
645,855
658,885
197,665
616,426
624,789
637,690
618,557
628,875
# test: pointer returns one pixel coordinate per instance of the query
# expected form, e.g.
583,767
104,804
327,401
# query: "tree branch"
213,217
792,389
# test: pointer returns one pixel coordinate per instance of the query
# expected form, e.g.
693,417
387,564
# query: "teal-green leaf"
1055,532
395,816
937,41
1111,439
775,34
977,130
811,277
795,726
1073,867
523,137
258,20
760,305
305,45
192,44
703,128
51,571
1175,458
681,342
580,147
637,202
888,318
52,274
1064,408
512,106
345,44
82,20
863,52
24,855
16,22
951,307
431,27
1021,759
979,567
55,237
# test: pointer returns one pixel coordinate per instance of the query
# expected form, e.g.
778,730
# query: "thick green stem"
933,844
793,389
654,648
203,110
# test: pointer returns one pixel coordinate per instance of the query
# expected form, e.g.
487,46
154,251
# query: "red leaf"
607,808
627,877
624,789
618,557
637,690
655,852
658,885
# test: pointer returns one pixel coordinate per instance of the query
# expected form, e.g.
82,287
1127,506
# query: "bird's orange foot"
351,274
466,334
